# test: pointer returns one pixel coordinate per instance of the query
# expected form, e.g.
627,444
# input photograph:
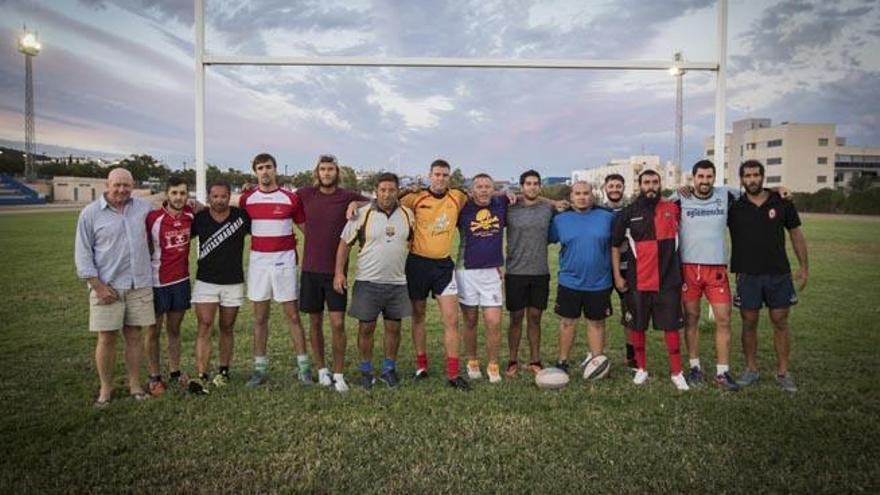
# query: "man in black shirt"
221,230
757,221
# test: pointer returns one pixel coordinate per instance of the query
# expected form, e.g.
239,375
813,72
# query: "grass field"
603,437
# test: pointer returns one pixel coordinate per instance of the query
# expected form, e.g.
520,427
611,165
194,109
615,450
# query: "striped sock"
261,364
303,363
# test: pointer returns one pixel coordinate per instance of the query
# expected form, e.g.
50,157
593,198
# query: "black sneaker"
197,386
367,380
459,383
421,374
726,382
695,376
563,365
389,377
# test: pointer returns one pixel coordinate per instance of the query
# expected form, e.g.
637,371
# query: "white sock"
323,371
721,369
338,377
695,363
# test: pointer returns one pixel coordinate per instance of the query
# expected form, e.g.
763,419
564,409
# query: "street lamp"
30,47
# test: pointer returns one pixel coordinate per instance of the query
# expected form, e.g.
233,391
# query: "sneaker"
563,365
494,373
389,377
680,382
367,380
459,383
641,377
324,378
473,370
512,369
421,374
725,382
220,380
305,377
787,383
197,386
586,360
748,377
157,388
535,367
257,379
340,385
695,376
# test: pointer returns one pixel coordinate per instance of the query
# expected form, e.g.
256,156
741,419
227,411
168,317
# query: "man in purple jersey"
480,257
325,204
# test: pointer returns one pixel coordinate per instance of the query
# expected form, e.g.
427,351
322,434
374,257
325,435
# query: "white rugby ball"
551,378
597,368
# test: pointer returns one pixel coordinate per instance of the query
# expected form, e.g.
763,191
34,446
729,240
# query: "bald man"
112,256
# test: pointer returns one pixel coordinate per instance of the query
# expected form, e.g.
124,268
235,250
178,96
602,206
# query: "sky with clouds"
117,76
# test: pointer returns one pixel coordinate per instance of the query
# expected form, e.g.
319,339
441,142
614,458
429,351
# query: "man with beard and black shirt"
219,286
758,221
652,285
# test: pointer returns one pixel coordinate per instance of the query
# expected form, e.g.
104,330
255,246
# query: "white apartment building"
671,176
802,157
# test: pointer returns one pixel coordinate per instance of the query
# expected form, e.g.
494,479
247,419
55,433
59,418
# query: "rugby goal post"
203,59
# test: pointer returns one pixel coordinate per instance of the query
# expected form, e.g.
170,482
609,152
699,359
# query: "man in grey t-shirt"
527,278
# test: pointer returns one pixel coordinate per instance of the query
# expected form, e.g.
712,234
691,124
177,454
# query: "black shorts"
429,276
571,303
662,308
172,298
317,288
776,291
526,291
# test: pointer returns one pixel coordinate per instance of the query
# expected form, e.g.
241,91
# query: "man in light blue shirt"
113,257
584,234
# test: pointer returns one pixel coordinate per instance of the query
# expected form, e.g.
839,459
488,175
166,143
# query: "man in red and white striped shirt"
168,233
272,269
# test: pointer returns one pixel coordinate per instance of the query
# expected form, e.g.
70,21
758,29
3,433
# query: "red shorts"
708,279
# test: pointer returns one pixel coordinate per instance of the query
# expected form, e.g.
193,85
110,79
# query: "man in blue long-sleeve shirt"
113,257
584,233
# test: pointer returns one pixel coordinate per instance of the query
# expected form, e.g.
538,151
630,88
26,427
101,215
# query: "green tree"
456,179
302,179
347,178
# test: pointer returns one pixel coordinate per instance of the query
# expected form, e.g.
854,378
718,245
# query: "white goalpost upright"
202,60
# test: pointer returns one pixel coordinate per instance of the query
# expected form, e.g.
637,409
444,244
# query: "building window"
822,160
751,146
710,152
773,143
822,179
823,141
774,179
774,161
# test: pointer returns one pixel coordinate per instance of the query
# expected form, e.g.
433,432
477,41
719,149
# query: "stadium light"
30,47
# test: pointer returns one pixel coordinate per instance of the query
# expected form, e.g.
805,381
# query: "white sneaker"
641,377
679,382
324,377
586,360
473,370
494,373
339,383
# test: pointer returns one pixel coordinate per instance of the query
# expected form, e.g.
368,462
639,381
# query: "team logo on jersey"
441,225
485,221
628,316
390,231
772,213
277,210
176,239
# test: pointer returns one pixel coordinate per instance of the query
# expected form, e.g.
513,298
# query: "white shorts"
479,287
228,295
276,282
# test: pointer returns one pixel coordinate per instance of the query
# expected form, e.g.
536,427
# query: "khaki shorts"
133,308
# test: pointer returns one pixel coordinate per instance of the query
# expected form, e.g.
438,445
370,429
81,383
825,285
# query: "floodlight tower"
29,46
677,72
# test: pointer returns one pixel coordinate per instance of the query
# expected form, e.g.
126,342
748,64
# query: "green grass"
603,437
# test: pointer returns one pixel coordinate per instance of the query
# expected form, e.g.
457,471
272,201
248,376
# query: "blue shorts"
776,291
171,298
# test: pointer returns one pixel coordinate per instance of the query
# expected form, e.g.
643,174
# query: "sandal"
140,396
101,403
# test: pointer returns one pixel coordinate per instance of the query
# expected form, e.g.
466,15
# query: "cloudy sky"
117,76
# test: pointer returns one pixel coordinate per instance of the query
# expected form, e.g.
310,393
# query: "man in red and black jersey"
652,286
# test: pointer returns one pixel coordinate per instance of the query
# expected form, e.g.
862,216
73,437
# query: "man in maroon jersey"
325,204
168,231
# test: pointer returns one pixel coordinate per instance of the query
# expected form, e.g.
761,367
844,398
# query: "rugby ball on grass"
597,368
551,379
